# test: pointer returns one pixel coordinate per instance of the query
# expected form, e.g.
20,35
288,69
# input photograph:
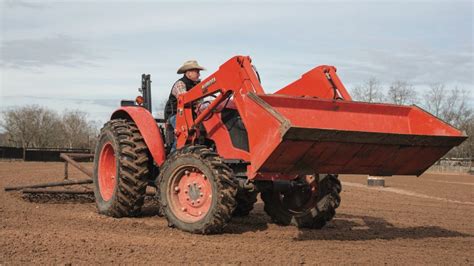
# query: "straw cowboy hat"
188,65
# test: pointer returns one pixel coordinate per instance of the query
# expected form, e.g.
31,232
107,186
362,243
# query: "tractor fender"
148,128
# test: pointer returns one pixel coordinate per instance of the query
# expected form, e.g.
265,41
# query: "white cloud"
96,51
36,53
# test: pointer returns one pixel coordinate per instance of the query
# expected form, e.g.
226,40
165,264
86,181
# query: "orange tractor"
235,141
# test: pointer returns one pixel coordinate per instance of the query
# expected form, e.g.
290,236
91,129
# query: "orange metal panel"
305,135
217,130
320,82
148,128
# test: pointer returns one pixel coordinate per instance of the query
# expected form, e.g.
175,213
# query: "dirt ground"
424,220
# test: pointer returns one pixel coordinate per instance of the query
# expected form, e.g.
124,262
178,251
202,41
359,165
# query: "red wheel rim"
190,194
107,171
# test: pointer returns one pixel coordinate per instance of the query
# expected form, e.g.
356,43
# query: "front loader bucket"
295,135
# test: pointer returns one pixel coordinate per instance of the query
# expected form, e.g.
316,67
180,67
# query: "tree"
456,110
370,91
3,139
33,126
18,125
402,93
76,130
467,148
435,99
458,113
451,106
48,129
39,127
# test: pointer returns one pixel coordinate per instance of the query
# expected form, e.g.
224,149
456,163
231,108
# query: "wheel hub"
194,191
192,194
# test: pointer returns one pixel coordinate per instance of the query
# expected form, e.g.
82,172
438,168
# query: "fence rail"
36,154
455,165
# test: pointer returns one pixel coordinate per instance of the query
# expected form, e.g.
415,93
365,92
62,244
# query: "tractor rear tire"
312,208
245,202
121,169
197,190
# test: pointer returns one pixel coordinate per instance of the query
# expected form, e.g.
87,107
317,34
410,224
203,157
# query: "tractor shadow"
347,227
344,227
254,222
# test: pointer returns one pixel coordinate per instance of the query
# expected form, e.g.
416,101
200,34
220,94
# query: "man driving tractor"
191,73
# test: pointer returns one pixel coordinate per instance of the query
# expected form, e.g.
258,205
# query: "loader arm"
234,78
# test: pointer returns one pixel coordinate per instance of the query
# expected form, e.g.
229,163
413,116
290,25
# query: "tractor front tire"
121,169
197,190
311,207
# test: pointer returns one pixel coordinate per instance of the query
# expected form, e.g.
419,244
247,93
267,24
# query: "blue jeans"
172,122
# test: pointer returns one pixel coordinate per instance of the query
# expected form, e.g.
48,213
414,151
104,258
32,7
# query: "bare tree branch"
435,99
402,93
370,91
456,111
39,127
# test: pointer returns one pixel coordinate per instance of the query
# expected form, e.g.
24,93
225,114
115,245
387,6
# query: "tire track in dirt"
450,182
406,193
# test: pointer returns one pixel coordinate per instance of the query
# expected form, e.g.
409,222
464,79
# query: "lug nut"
183,209
176,189
186,191
192,202
186,172
200,212
200,194
198,201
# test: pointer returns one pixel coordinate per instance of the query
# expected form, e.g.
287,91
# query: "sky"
88,55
